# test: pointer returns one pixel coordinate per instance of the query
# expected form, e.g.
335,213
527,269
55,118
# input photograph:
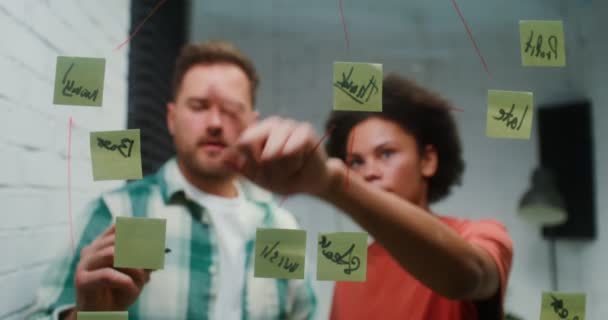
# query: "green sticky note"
357,86
79,81
116,155
342,256
562,306
542,43
139,243
102,315
280,253
509,114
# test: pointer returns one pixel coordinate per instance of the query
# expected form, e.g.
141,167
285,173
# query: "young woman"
421,266
427,266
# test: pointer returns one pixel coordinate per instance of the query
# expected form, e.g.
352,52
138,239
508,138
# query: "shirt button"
212,269
205,219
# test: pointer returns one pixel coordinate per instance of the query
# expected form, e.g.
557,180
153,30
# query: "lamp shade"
542,204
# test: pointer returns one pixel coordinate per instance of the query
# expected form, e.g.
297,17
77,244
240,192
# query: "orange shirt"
390,292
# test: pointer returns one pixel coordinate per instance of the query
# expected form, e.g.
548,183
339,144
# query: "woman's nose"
371,172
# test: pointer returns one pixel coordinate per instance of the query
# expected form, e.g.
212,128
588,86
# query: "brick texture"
34,220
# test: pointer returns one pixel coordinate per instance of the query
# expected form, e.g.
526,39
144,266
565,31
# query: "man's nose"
215,117
214,121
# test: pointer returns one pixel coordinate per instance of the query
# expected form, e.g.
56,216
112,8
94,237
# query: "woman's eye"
354,163
386,153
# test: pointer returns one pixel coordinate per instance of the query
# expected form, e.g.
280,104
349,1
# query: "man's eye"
233,108
198,105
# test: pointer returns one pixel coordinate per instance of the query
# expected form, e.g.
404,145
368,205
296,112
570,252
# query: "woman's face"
388,157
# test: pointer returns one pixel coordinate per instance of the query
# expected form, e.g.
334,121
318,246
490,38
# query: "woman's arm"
283,156
428,249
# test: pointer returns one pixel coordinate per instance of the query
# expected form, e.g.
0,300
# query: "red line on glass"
470,34
327,133
70,184
140,25
344,24
350,151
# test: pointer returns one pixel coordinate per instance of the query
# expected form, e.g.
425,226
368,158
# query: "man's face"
212,107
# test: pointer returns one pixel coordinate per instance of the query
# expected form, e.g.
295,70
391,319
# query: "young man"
211,217
422,266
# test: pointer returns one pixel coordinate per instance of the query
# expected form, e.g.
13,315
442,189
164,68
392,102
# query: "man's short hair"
418,112
213,52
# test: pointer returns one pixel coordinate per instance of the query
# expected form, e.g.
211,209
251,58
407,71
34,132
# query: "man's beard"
199,170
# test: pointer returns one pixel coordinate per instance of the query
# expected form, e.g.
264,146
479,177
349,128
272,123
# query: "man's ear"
429,161
171,116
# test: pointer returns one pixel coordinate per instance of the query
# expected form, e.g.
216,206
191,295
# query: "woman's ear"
429,161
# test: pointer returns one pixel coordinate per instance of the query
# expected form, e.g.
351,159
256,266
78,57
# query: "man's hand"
282,156
99,286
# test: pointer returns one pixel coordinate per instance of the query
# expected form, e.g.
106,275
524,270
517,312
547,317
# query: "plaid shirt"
187,286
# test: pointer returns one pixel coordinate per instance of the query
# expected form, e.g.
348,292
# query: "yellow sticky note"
342,256
102,315
280,253
562,306
542,43
79,81
140,243
116,155
509,114
357,86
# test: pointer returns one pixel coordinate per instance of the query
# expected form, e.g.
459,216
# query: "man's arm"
56,291
92,283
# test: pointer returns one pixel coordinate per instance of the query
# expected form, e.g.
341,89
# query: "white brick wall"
34,221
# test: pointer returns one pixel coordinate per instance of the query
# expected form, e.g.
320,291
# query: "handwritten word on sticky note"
280,253
542,43
79,81
139,243
509,114
357,86
342,256
102,315
116,155
562,306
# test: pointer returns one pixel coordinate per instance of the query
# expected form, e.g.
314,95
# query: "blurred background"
293,44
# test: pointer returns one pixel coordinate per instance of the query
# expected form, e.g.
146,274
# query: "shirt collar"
173,183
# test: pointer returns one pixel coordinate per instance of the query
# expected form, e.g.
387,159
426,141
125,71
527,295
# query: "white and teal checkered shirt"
187,286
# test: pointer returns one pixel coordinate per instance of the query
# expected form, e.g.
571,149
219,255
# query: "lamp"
542,204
